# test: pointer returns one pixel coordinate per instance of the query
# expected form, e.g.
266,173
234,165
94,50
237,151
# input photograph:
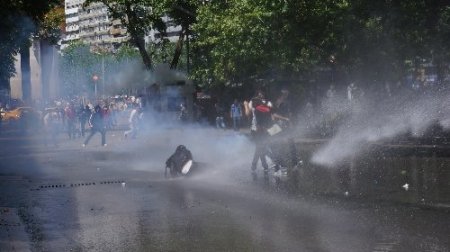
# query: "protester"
199,112
261,121
177,160
282,110
183,113
113,114
284,151
134,122
236,114
69,112
220,113
97,124
83,116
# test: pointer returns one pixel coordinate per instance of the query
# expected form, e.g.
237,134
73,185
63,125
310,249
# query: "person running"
97,124
134,122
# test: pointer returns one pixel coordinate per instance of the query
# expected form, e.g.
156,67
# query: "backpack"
263,114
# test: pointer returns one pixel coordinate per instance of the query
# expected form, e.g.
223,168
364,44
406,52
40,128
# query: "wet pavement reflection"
409,174
117,199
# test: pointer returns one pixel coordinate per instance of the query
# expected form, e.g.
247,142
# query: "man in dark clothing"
284,151
83,116
177,160
97,124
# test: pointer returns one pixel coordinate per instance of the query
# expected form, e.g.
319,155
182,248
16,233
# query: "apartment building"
172,32
72,12
92,25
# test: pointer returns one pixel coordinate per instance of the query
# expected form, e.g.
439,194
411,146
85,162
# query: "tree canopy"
19,20
375,41
243,42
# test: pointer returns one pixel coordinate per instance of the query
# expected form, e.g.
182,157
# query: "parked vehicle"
22,119
20,113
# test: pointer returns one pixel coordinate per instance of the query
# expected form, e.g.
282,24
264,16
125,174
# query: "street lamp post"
95,78
101,52
103,75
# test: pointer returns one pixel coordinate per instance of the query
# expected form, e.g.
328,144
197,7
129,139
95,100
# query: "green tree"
231,41
114,75
76,69
19,20
361,40
138,17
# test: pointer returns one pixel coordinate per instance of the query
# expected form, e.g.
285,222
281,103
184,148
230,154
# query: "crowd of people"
270,125
80,118
76,117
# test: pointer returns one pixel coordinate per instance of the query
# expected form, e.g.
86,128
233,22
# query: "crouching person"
180,162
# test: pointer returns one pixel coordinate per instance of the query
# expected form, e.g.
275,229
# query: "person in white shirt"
134,121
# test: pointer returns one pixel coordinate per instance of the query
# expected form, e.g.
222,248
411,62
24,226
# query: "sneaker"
125,135
83,145
105,145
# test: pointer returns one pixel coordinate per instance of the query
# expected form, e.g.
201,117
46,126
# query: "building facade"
172,32
92,25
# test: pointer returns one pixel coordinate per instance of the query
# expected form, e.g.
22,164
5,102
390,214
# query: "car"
19,113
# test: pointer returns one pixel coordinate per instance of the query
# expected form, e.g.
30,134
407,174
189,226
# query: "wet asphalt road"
115,198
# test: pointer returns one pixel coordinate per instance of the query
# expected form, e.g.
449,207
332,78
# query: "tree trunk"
46,67
138,37
178,49
139,42
187,51
25,69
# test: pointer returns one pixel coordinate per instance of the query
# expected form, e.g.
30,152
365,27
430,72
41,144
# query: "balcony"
114,31
116,22
117,40
117,31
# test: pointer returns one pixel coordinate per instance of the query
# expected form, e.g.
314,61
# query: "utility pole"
95,79
101,53
103,74
187,50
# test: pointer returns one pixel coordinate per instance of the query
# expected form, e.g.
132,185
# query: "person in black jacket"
177,160
97,124
83,116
